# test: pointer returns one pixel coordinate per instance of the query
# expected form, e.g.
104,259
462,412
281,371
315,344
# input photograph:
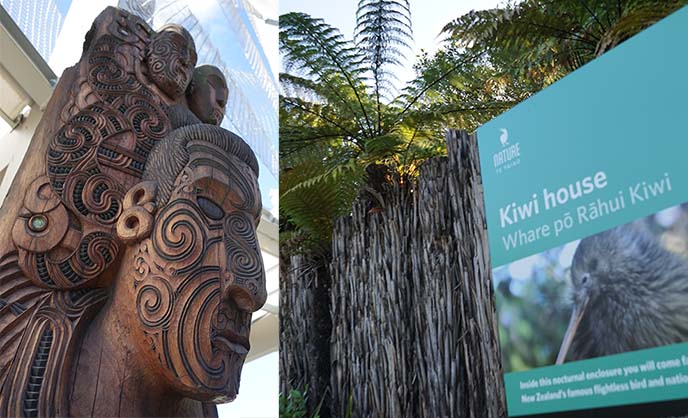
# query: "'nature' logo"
510,154
504,137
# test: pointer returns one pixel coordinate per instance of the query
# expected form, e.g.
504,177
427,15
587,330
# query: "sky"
210,15
428,17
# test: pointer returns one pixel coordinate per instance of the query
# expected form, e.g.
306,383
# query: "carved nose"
247,298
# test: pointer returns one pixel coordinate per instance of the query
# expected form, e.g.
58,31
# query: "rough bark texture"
305,329
414,322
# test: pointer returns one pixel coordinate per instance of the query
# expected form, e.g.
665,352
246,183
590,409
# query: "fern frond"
383,33
321,53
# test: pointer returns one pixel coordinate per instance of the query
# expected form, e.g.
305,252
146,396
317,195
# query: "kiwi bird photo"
629,293
620,290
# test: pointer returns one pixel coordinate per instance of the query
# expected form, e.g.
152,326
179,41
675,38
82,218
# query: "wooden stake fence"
414,331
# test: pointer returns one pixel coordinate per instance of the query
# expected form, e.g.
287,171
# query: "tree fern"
547,39
338,108
319,52
336,113
383,33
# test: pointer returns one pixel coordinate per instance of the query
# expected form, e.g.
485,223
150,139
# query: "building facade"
39,20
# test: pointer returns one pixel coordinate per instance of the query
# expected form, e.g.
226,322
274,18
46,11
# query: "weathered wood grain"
129,264
414,331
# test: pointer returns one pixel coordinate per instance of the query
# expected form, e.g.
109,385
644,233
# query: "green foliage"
533,312
316,188
294,405
337,116
494,59
544,40
462,90
383,31
339,112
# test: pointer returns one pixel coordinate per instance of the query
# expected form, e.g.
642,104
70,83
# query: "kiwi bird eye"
623,280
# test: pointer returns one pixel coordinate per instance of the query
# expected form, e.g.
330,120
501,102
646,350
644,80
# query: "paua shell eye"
38,223
211,209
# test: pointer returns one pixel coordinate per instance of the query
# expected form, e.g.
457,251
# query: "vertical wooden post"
479,351
305,329
413,316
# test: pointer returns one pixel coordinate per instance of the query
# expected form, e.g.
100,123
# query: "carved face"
200,275
208,96
171,57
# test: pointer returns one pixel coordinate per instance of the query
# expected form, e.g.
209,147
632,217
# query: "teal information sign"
637,376
575,179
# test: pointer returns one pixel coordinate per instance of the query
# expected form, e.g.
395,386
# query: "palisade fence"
305,327
413,323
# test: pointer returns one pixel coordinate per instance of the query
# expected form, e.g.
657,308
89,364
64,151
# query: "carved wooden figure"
129,265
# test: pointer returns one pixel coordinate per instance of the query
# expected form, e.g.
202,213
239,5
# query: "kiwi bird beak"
576,317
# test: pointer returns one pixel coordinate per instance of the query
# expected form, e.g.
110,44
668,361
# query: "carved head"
207,94
171,57
196,267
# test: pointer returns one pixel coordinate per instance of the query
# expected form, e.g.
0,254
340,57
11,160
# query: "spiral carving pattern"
85,263
97,197
179,236
243,253
103,147
203,366
202,339
154,302
95,250
106,75
180,312
148,119
169,60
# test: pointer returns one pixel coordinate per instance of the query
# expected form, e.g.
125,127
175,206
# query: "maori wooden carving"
129,265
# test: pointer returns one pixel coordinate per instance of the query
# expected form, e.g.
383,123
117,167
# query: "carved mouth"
235,342
231,328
